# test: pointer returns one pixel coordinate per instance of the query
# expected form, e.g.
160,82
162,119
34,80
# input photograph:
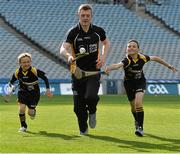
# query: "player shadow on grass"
141,146
173,141
54,135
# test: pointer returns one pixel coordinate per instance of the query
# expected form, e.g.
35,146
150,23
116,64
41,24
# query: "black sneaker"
84,133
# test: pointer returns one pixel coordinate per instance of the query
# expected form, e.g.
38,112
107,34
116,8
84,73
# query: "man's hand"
100,62
70,59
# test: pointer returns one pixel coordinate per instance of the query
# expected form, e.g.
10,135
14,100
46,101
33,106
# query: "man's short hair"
85,7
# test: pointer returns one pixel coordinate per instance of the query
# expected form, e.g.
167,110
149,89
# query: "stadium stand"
11,47
46,22
168,12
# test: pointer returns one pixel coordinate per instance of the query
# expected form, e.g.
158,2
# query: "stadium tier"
47,21
11,47
168,12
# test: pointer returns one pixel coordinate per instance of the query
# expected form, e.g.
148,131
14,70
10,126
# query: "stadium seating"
168,12
47,21
11,47
43,21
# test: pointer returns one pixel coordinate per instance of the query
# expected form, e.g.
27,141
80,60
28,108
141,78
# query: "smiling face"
132,48
25,62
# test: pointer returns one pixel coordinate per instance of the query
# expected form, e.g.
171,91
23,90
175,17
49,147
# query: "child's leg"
22,116
139,108
32,103
32,113
133,111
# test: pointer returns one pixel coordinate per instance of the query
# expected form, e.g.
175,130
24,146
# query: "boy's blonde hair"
22,55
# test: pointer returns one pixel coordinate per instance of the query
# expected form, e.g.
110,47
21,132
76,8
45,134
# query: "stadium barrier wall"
57,86
153,87
63,87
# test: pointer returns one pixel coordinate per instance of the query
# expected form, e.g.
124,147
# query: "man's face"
85,17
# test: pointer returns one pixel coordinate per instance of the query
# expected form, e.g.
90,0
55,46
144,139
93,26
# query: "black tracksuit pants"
85,95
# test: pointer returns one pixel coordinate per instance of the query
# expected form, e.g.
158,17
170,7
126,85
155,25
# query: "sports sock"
22,118
134,115
140,116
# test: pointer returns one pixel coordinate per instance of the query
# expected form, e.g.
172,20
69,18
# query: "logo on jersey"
87,38
79,39
92,48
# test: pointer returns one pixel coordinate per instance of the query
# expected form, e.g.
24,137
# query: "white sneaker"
92,120
22,129
84,133
139,131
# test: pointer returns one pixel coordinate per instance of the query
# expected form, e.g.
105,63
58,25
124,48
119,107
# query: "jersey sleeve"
42,75
102,34
69,36
147,58
126,62
13,79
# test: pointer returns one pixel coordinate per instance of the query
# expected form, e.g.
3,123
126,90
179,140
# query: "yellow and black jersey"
88,40
134,67
28,79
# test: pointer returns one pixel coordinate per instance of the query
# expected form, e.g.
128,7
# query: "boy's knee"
31,112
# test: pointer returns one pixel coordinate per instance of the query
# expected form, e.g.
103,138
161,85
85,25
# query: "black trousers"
85,95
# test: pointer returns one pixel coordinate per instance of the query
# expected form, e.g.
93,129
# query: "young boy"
28,92
134,80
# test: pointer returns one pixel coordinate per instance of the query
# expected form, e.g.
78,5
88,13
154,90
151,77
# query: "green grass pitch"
55,128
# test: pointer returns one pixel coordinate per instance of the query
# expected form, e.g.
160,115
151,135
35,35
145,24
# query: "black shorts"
29,98
134,86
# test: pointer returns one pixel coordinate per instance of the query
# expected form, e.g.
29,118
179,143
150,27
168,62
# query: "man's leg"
81,113
92,98
80,108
